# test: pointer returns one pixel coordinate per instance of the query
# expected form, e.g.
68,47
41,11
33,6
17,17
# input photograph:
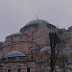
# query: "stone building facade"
21,51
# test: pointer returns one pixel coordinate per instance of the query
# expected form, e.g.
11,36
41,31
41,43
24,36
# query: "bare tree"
53,41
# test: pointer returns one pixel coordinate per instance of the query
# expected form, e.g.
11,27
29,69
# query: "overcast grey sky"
14,14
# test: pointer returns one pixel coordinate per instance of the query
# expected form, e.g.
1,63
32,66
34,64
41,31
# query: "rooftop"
14,54
37,21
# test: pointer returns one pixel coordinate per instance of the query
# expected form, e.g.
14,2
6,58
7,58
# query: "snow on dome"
14,54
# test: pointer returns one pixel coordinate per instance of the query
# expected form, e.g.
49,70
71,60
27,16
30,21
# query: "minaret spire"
37,18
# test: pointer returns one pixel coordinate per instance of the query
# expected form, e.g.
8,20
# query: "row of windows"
15,36
28,26
36,25
50,26
19,70
19,38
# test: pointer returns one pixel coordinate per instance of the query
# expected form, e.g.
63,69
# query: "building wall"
35,36
15,42
19,65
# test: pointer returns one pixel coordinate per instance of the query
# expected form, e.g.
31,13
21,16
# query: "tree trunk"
53,42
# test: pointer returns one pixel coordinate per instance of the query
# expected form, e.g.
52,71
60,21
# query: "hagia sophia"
29,50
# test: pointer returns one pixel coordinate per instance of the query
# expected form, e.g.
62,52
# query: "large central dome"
35,24
37,21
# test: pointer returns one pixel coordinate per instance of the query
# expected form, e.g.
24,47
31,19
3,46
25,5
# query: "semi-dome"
14,34
17,35
14,54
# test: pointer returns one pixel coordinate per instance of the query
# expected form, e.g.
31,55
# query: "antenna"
37,18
